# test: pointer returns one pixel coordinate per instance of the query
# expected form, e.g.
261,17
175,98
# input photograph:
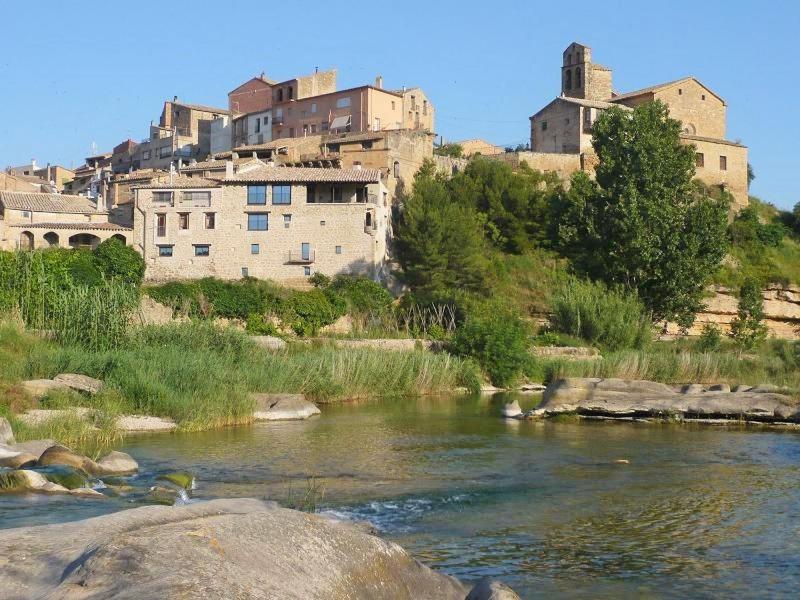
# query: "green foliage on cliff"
748,329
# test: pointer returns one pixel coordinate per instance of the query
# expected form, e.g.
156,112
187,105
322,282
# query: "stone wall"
781,307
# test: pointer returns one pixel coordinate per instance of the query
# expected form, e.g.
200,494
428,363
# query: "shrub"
710,339
498,342
362,295
118,261
748,329
311,310
258,325
606,317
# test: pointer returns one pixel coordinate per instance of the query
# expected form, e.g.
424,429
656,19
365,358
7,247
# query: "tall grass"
609,318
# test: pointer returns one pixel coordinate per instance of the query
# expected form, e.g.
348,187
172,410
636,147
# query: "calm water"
698,512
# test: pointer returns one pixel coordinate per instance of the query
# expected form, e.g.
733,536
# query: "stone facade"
564,126
335,221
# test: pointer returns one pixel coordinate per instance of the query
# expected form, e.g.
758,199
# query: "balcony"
300,258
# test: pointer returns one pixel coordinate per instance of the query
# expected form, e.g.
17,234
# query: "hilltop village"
297,177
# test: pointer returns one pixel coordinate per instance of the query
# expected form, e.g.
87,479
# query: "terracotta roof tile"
306,175
54,203
90,226
178,182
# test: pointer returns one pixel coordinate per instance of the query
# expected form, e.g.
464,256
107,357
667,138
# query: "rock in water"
511,410
182,479
117,463
221,549
16,460
283,407
21,481
64,476
34,447
80,383
489,589
6,434
61,455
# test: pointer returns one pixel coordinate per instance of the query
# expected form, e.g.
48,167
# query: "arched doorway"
52,239
120,237
26,240
84,240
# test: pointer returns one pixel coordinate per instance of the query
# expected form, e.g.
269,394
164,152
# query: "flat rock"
490,589
39,388
269,342
6,433
22,480
79,383
283,407
16,460
619,398
117,463
243,548
34,447
37,416
143,423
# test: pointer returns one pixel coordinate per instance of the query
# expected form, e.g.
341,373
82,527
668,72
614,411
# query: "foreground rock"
113,463
620,398
242,548
79,383
39,388
283,407
489,589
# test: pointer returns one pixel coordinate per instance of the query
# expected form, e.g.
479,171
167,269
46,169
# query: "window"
313,107
313,128
255,249
162,198
324,126
245,272
699,160
307,271
568,80
396,169
280,95
544,125
338,249
305,251
287,220
322,223
197,199
258,221
266,120
165,151
424,107
392,104
183,220
578,77
290,93
202,250
279,114
680,92
291,132
211,220
723,163
281,194
703,96
161,225
258,125
336,193
256,194
165,251
146,155
366,145
343,102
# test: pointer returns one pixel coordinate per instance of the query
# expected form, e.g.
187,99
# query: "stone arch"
51,238
568,80
120,237
26,240
689,128
84,240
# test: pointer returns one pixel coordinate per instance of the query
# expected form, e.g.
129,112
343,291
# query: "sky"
76,77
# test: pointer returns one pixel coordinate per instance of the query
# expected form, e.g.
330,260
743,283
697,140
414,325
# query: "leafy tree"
643,223
710,339
439,242
747,229
119,261
514,205
748,329
451,150
751,174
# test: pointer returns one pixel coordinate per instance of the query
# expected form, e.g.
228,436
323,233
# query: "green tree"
643,223
748,329
119,261
451,150
439,242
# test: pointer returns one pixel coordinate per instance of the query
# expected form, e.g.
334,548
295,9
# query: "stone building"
35,220
259,93
270,222
477,147
564,126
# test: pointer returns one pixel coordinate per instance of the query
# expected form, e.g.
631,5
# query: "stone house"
480,147
90,178
270,222
37,220
259,93
564,126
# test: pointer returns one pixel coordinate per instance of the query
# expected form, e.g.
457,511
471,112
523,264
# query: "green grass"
202,376
770,265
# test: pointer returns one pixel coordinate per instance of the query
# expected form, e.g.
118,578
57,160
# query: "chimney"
255,154
228,169
379,82
174,98
357,166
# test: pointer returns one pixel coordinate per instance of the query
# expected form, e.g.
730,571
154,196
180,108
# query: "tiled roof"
178,182
306,175
280,143
701,138
204,108
591,103
140,175
206,165
356,137
53,203
76,225
647,90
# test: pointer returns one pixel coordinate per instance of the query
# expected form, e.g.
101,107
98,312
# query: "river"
551,508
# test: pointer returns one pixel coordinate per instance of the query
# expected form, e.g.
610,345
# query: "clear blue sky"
76,73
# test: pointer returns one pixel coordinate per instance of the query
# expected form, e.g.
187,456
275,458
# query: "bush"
258,325
234,300
309,311
118,261
498,342
605,317
362,295
748,329
710,339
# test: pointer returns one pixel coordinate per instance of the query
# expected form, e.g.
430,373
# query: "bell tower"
581,78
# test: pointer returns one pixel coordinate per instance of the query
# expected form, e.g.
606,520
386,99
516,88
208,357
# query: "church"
564,126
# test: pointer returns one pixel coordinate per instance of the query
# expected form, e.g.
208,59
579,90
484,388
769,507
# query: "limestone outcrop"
243,548
620,398
283,407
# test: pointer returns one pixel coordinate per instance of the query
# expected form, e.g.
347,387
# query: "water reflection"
696,511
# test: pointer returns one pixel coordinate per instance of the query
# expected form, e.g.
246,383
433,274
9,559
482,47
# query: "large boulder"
633,398
12,459
242,548
23,480
79,383
269,342
34,447
61,455
283,407
6,433
117,463
39,388
491,589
